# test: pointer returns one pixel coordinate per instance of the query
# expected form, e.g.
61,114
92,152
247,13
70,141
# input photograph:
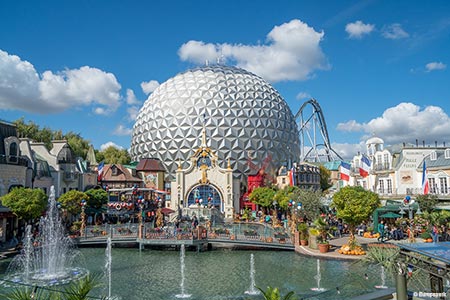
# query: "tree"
26,203
311,205
284,195
325,182
274,294
71,200
354,205
262,196
78,145
427,202
113,155
96,198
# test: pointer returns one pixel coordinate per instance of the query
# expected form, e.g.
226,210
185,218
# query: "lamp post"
407,204
141,203
83,218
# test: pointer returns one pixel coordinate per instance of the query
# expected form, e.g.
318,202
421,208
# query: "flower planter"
304,242
323,248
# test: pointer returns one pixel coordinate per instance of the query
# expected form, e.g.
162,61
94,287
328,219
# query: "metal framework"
315,143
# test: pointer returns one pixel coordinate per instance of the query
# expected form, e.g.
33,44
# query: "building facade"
204,185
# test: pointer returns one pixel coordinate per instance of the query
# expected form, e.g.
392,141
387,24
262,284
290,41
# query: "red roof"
150,164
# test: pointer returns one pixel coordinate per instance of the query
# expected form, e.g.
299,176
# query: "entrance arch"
206,194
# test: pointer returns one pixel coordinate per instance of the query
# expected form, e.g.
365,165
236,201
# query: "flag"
345,171
292,177
364,167
425,185
100,171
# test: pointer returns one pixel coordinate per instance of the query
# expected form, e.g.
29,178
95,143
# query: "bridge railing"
128,230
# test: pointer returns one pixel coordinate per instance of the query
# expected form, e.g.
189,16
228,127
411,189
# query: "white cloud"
303,95
292,52
394,32
132,113
122,130
406,122
149,87
432,66
22,88
348,151
358,29
131,97
106,145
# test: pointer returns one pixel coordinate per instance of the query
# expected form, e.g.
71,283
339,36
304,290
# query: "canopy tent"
390,215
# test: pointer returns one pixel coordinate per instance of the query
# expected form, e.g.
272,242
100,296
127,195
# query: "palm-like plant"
274,294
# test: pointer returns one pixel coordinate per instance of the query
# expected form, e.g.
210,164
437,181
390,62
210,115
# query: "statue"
159,218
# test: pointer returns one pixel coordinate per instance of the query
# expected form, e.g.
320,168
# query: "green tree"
71,200
286,194
427,202
354,205
325,181
113,155
25,203
274,294
311,205
78,145
96,198
262,196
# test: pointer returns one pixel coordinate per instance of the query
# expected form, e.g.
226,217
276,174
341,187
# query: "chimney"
417,143
404,144
423,144
435,144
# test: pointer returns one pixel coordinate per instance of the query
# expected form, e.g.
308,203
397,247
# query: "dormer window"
447,154
114,170
433,155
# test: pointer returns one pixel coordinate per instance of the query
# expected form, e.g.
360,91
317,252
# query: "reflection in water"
224,274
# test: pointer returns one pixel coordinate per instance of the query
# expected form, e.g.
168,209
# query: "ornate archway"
205,194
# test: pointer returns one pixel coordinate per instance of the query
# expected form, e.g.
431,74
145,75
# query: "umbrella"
166,210
390,215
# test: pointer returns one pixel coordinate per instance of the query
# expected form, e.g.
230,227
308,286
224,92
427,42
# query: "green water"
225,274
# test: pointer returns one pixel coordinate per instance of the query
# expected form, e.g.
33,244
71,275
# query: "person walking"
381,231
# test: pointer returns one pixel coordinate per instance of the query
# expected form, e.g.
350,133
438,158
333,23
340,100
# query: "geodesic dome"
244,117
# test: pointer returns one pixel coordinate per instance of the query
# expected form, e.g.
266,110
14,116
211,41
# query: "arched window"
206,195
13,153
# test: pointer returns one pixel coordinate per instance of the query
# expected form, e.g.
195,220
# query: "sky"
375,67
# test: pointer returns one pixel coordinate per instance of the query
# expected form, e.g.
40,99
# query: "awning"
166,210
390,215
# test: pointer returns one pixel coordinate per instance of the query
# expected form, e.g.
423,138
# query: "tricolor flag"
292,177
345,171
364,168
425,185
100,171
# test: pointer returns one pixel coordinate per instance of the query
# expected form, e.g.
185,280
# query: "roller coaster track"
315,143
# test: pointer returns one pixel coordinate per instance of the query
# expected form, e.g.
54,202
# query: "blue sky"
375,67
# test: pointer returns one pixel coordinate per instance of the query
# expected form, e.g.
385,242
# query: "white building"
204,185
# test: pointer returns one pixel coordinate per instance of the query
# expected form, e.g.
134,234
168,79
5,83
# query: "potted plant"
303,233
324,231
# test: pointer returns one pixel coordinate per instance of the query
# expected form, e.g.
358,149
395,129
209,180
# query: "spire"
204,132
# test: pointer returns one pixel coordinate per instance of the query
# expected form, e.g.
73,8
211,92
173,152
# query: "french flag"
100,171
365,166
345,171
292,177
425,185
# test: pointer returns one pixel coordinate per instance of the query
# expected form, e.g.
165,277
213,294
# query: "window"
114,170
283,180
381,186
443,185
447,154
389,186
433,155
386,160
432,184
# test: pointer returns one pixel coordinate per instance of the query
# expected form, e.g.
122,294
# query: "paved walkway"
336,245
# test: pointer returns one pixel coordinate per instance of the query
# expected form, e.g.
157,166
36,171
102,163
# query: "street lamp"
141,203
407,204
83,218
